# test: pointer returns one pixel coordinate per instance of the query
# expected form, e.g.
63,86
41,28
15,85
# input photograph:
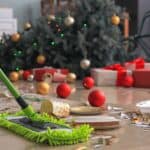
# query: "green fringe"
50,137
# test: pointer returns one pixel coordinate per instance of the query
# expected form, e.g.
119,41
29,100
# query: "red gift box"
141,78
39,73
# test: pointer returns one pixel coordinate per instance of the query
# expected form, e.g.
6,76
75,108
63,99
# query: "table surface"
129,137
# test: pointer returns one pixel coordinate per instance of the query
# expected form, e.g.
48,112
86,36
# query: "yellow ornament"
40,59
20,72
27,26
115,20
14,76
43,88
15,37
71,77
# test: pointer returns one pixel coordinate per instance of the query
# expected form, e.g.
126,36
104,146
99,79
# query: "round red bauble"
128,81
63,90
96,98
26,74
88,82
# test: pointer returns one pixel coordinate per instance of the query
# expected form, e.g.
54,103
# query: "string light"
62,35
17,68
52,43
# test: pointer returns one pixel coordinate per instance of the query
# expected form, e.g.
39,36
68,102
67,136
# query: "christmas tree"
83,36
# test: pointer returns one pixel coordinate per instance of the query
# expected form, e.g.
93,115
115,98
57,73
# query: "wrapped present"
138,63
114,75
141,78
57,74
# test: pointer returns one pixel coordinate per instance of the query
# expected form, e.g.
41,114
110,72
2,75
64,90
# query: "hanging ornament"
85,63
71,77
43,88
51,18
15,37
14,76
40,59
30,77
27,26
115,20
69,21
96,98
88,82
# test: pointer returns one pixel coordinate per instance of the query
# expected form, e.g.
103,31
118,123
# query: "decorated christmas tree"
84,35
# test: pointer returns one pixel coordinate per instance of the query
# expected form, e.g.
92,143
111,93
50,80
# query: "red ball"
63,90
128,81
88,82
26,74
96,98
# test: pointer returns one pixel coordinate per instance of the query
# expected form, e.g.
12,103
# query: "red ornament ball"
88,82
26,74
96,98
128,81
63,90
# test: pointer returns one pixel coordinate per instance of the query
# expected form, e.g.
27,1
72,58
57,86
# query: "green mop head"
40,128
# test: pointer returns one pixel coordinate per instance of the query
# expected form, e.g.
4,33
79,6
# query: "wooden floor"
128,137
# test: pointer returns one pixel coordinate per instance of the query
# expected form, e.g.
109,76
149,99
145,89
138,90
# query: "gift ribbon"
121,73
139,63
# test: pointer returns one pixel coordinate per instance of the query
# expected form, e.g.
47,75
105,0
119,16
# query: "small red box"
141,78
40,72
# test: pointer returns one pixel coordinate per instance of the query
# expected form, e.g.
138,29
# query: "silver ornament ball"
69,21
85,63
30,78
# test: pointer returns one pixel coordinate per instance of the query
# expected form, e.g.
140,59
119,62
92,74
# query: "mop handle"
12,90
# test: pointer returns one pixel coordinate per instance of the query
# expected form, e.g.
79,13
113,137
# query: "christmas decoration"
68,40
88,82
40,59
63,90
71,77
115,20
27,26
26,74
85,63
96,98
69,20
43,88
15,37
51,17
128,81
30,78
14,76
20,72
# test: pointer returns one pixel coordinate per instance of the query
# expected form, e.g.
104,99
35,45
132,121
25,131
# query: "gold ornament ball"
27,26
85,63
51,17
43,88
15,37
20,72
71,77
14,76
115,20
69,21
40,59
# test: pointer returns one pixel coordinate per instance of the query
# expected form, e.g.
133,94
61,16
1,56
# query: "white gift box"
132,67
8,26
105,77
6,13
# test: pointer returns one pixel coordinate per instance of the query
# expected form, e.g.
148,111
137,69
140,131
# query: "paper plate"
97,122
144,106
86,110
